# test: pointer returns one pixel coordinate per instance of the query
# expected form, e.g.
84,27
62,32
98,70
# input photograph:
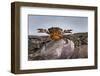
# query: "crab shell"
56,35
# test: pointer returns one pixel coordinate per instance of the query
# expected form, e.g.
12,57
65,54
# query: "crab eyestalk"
68,31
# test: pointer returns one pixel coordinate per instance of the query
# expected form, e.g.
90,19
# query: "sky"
77,24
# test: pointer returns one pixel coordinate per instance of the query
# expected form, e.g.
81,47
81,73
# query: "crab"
55,33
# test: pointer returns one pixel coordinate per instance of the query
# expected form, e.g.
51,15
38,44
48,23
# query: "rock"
67,50
57,49
83,53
